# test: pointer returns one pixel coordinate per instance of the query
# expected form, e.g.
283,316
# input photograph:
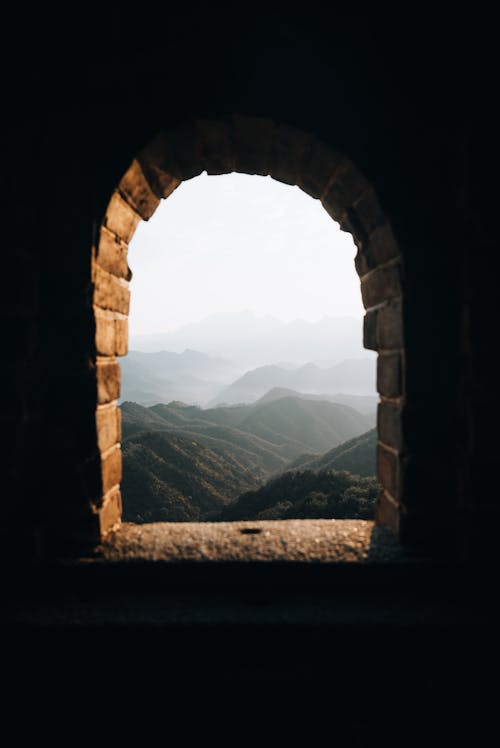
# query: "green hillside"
225,416
183,463
314,425
366,404
262,456
354,376
357,455
167,477
294,424
136,418
307,495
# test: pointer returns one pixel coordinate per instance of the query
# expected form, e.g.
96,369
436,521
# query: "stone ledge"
334,575
318,541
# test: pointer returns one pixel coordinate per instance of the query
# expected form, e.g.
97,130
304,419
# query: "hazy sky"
236,242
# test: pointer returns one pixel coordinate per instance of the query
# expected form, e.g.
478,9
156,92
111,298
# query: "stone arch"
263,147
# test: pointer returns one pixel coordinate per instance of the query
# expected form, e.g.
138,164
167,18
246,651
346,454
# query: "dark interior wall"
407,101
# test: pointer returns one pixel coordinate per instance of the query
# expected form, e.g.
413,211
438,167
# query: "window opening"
246,393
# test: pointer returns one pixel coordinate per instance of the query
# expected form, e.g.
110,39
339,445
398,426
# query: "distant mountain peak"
250,340
309,367
353,377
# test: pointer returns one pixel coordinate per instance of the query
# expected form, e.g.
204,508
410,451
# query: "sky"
234,242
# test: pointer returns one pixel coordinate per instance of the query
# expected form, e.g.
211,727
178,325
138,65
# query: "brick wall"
253,146
361,121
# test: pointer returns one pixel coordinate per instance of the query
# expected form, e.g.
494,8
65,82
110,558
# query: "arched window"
251,146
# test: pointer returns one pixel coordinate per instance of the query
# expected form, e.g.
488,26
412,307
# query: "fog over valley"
233,358
209,436
249,340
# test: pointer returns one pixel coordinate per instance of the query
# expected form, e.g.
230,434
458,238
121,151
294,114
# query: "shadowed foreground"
306,619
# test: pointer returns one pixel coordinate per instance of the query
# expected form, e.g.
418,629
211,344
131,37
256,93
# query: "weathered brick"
388,470
110,292
108,421
319,169
348,185
172,155
105,334
111,468
93,522
111,333
109,515
185,148
118,424
389,374
252,139
389,424
349,221
368,211
390,333
289,151
137,191
387,512
217,151
382,245
111,254
121,336
108,380
370,330
381,284
361,262
377,248
120,218
164,183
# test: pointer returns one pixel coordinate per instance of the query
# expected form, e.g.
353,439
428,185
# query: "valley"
183,463
211,430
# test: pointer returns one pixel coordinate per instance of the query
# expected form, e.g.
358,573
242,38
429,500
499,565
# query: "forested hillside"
307,494
356,455
289,426
167,477
183,463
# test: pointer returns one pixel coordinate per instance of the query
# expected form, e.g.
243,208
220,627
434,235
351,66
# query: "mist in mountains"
275,431
194,378
356,377
213,430
250,341
162,376
218,361
355,455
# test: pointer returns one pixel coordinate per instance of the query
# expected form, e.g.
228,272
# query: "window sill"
310,572
295,541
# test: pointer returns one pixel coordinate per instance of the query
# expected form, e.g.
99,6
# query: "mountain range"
162,376
353,376
250,341
289,426
196,378
206,419
185,463
169,477
366,404
356,455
